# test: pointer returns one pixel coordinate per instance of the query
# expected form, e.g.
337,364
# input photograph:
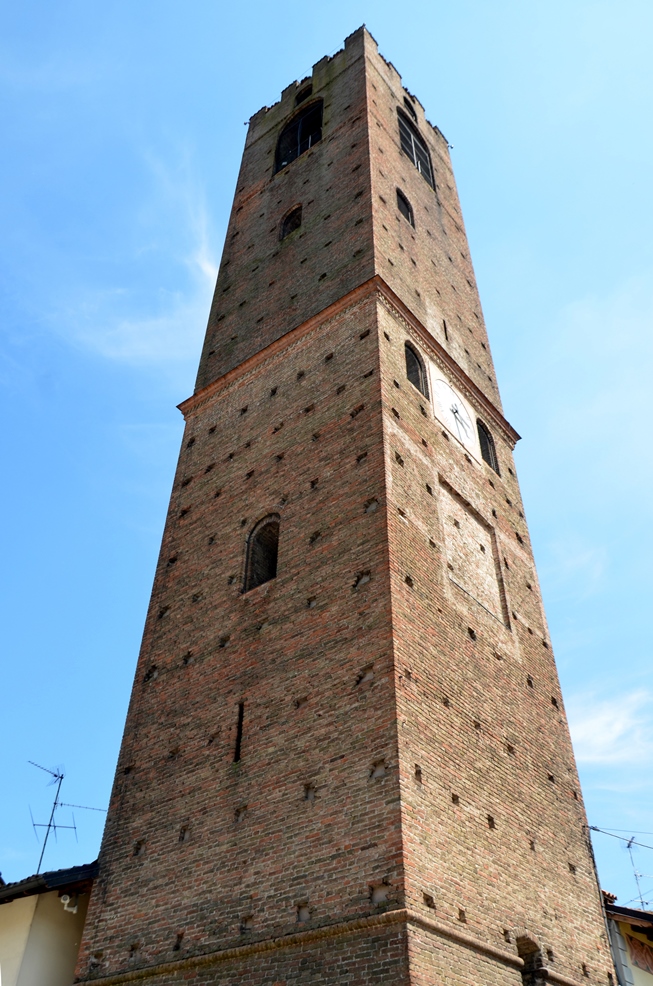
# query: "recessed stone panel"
471,552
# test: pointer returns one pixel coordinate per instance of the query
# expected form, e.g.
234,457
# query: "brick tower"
346,759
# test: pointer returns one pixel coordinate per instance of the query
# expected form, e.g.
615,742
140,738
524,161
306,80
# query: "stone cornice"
374,286
400,916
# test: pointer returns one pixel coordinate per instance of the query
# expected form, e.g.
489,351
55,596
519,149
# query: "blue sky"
123,131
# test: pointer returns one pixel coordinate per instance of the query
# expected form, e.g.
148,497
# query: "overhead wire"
631,842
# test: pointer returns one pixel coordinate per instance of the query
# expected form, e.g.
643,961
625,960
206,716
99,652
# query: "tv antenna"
638,876
52,825
629,844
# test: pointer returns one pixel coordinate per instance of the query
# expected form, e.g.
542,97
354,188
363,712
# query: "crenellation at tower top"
321,74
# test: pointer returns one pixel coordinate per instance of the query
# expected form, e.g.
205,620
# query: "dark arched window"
531,955
413,144
488,450
415,370
405,208
291,222
304,130
262,550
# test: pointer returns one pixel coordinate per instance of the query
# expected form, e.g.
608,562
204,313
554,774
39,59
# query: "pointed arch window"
301,132
262,552
291,221
415,370
488,448
414,145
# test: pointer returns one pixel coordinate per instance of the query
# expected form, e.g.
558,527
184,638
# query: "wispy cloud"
168,336
614,731
165,323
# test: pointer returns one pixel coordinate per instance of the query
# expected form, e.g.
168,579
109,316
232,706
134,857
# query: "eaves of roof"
41,883
630,915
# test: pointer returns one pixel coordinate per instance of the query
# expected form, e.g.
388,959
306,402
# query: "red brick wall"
404,743
351,227
429,267
267,286
313,453
479,732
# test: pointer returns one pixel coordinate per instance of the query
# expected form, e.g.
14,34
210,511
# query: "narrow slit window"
303,131
416,371
405,208
488,448
291,221
262,551
413,144
239,731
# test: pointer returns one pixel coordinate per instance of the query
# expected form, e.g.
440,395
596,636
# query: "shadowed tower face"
346,758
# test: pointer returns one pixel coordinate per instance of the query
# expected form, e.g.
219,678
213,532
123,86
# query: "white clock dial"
453,413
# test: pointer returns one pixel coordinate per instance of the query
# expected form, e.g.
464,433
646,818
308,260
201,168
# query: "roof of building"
629,915
40,883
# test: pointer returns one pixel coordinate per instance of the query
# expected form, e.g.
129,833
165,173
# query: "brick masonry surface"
406,806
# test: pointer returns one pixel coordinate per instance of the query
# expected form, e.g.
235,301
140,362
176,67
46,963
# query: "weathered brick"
406,806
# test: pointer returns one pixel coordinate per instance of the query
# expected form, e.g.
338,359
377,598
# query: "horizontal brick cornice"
199,399
548,975
400,916
374,286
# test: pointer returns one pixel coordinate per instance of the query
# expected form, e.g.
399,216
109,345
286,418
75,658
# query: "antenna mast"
57,778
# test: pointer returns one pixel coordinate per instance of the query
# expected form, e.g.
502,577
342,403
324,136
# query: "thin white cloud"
170,336
181,187
614,731
172,234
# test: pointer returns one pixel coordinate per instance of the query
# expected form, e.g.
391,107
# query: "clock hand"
459,419
456,417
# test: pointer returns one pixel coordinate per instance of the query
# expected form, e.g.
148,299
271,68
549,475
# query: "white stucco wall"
15,923
39,940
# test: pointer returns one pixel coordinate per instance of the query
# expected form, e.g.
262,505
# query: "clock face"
453,413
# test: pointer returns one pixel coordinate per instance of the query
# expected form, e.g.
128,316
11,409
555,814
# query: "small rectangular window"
405,208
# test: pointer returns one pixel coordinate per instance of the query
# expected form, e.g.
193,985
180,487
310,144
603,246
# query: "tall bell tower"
346,759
